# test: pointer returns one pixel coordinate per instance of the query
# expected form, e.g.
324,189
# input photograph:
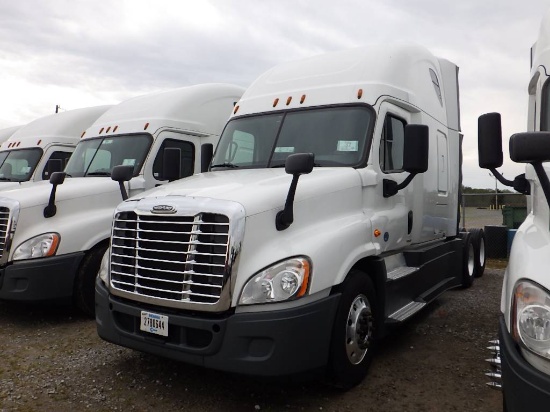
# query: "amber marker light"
275,102
107,131
288,100
377,232
114,130
305,282
359,93
101,130
146,126
303,98
83,133
236,110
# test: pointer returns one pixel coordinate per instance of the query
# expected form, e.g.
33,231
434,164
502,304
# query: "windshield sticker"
26,169
129,162
347,146
110,141
284,149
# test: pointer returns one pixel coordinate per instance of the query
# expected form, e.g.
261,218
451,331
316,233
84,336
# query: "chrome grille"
175,258
4,228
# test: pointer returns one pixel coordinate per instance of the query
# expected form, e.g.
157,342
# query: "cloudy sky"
76,53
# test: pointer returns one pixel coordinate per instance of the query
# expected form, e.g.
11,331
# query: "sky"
76,53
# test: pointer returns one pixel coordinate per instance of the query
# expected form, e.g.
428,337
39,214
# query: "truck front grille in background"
177,258
4,227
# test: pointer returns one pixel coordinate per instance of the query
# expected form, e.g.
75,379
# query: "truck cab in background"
6,133
521,355
56,234
35,151
329,215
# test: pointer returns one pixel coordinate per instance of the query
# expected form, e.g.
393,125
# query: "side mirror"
530,147
171,164
207,151
56,179
416,148
296,164
121,174
299,163
54,165
489,145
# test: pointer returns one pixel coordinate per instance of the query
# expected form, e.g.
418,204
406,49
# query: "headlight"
283,281
531,323
104,268
39,246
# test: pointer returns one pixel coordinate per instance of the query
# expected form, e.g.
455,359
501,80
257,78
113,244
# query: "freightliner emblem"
166,209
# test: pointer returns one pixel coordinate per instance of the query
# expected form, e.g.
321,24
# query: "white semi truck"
35,151
329,214
6,133
521,355
56,234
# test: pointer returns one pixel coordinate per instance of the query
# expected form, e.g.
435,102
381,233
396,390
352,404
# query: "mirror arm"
123,191
391,187
285,217
501,178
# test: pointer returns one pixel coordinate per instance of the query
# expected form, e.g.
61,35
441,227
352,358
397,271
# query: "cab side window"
57,162
187,157
392,144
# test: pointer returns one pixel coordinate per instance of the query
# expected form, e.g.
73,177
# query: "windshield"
18,165
98,156
338,136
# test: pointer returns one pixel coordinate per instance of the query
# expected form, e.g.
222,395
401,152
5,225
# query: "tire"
468,261
84,288
478,239
353,333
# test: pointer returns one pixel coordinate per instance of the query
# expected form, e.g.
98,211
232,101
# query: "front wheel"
84,288
353,333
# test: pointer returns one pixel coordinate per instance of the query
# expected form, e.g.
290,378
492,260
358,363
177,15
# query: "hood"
257,190
38,193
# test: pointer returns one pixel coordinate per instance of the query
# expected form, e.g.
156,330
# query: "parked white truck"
35,151
56,234
522,353
6,133
330,213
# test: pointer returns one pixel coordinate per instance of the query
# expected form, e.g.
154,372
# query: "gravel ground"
52,360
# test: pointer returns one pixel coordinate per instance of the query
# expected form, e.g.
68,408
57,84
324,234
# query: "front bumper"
50,278
524,387
274,343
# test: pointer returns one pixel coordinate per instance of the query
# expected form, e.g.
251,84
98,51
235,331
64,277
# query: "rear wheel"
353,334
468,261
478,239
84,288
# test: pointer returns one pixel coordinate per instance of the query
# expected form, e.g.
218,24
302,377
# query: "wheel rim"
481,252
471,260
358,329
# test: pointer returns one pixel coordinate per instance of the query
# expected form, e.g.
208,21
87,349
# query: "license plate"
154,323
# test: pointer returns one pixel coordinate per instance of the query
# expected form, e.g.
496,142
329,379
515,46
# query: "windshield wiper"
228,165
98,174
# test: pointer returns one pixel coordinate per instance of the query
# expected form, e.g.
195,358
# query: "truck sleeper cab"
326,217
34,151
59,232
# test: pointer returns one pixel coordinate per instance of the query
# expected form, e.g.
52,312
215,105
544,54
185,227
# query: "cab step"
406,311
